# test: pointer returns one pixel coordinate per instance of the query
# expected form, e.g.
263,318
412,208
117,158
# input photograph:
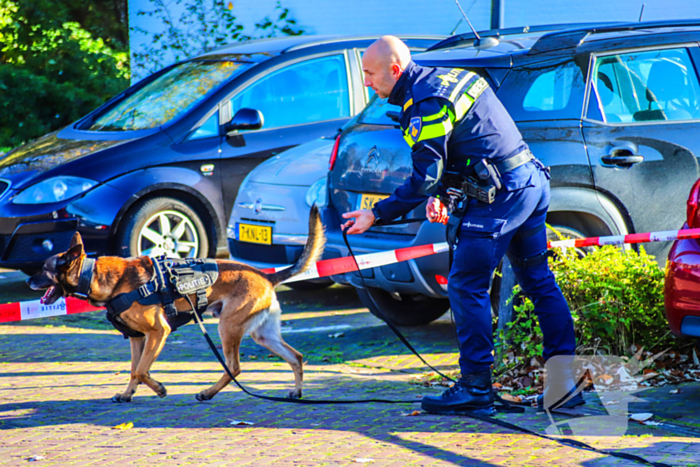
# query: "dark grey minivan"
613,109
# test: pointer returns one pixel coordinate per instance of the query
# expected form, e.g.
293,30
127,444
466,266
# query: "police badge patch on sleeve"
415,127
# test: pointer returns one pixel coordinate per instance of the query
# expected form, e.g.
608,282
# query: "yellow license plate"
255,234
368,201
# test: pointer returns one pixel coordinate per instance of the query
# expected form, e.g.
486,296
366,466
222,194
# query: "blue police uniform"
452,118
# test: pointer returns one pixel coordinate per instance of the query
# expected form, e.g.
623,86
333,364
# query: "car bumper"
682,288
408,277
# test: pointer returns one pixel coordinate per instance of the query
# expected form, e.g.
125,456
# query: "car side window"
646,86
312,91
207,129
554,91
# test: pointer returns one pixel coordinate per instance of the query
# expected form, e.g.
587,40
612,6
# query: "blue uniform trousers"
514,223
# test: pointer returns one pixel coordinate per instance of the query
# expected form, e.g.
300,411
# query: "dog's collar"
86,271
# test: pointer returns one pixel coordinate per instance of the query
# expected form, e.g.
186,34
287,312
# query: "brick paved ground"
57,376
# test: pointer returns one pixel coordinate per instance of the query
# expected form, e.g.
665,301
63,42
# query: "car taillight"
693,206
334,153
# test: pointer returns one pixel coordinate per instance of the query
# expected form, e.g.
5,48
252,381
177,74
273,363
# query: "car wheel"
403,309
319,284
163,226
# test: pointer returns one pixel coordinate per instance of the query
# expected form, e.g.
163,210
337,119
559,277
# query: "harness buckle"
144,291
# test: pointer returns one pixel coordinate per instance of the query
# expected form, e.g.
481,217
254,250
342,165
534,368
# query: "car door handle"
622,155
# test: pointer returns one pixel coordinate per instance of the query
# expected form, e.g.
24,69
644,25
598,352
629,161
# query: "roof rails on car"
570,38
469,37
333,39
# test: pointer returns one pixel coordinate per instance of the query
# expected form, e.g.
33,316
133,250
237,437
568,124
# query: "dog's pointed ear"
67,259
76,240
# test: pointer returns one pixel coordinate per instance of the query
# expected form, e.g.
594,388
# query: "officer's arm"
428,134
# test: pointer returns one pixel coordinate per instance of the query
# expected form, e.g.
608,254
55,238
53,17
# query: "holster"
455,222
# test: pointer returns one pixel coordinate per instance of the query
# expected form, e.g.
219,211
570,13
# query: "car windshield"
375,112
168,96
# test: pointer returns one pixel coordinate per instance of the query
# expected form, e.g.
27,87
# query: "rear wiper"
393,115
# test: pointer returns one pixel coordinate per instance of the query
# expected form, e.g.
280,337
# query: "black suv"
613,109
156,169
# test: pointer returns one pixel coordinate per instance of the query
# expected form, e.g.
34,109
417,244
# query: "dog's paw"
118,398
162,392
294,394
201,397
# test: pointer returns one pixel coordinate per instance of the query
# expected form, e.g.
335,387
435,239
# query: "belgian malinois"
243,296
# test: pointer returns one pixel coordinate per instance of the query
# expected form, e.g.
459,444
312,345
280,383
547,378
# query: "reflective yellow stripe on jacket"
441,123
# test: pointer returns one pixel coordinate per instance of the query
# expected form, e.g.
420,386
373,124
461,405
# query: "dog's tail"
312,251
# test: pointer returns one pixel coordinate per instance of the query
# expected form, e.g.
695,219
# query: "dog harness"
172,279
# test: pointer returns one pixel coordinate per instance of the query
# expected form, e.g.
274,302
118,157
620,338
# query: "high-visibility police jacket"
447,112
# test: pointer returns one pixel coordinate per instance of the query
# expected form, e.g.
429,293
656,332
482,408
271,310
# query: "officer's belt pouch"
517,179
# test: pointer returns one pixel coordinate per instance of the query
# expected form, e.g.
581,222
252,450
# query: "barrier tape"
665,236
21,311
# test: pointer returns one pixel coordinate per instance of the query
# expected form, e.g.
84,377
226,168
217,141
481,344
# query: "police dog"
243,296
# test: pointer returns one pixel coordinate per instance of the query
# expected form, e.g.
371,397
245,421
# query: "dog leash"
505,408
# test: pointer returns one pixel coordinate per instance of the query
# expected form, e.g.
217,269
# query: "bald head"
383,64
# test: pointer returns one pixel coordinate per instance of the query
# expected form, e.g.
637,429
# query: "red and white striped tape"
21,311
666,236
331,267
33,309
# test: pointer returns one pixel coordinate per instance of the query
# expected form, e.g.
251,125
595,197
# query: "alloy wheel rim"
169,233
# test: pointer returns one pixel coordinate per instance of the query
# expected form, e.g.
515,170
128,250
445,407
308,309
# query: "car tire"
319,284
410,310
160,226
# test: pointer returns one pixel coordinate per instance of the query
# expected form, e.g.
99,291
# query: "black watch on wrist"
377,217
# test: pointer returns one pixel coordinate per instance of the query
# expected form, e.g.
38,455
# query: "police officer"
454,123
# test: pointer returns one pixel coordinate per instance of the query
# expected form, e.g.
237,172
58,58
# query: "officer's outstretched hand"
435,211
360,221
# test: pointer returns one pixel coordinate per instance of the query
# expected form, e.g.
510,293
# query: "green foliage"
615,297
52,70
203,25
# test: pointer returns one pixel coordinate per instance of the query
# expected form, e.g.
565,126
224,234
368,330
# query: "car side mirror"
245,119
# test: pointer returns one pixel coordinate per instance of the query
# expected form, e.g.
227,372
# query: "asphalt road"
57,376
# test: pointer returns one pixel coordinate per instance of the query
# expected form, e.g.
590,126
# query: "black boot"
561,383
472,393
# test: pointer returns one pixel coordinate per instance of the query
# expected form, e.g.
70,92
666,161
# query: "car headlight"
318,193
54,190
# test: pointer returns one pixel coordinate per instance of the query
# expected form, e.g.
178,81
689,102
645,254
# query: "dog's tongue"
48,293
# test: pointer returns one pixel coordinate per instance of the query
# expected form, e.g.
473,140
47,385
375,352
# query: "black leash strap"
282,399
506,406
388,322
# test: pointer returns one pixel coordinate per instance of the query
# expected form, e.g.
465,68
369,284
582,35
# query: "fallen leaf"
123,426
411,414
363,460
497,385
177,342
509,398
240,423
605,379
336,335
675,391
36,458
641,417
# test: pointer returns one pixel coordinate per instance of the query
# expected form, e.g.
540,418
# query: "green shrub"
616,300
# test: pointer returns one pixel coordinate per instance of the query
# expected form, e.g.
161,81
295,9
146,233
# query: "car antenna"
479,42
641,13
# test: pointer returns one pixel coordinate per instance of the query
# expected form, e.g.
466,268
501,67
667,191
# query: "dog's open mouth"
52,294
